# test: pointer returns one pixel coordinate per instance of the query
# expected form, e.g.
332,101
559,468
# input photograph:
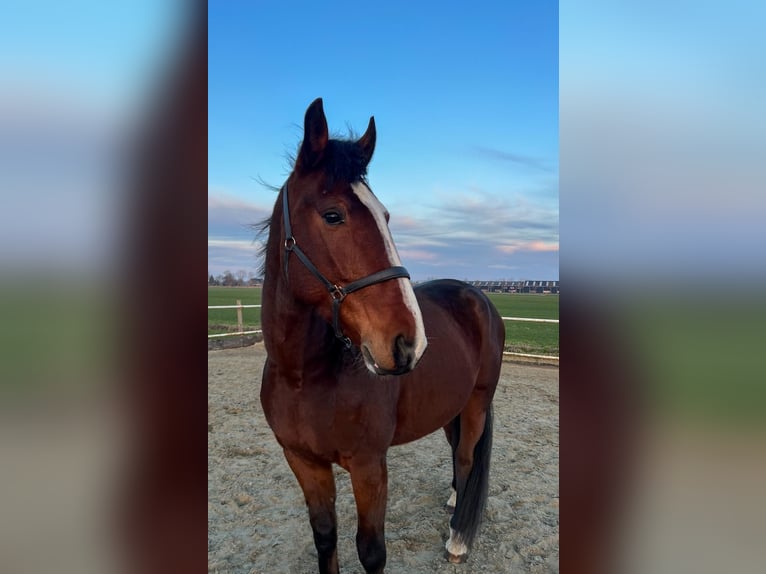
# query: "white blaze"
378,212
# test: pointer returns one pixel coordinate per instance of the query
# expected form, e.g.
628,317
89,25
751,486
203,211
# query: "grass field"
536,338
700,355
225,320
55,338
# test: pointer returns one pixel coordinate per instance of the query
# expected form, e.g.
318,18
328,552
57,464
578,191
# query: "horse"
358,360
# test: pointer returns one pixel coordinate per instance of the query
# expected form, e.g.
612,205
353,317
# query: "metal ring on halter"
337,293
290,243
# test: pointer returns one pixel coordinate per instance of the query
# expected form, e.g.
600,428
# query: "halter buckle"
337,293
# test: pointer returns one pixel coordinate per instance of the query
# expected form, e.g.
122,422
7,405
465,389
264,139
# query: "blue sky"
467,112
662,140
465,99
77,79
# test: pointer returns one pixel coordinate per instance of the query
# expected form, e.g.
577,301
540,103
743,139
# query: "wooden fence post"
240,324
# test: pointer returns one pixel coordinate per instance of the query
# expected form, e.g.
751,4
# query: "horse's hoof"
457,550
456,559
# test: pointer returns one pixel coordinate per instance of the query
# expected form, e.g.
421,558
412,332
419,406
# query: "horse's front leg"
369,479
318,484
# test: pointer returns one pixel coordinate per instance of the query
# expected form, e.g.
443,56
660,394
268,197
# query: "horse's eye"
332,217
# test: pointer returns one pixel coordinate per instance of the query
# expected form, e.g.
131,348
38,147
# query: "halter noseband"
337,292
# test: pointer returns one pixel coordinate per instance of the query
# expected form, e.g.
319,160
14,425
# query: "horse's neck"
293,334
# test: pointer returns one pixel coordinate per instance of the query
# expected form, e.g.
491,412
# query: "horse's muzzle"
403,354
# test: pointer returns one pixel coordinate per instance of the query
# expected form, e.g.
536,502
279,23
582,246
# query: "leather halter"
337,292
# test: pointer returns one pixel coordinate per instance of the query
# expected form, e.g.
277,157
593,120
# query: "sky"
660,122
76,77
465,100
662,141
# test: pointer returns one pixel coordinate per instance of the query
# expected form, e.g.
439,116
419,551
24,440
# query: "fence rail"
528,355
241,331
530,320
240,323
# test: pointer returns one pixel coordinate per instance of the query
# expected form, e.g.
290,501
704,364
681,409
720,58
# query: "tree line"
241,278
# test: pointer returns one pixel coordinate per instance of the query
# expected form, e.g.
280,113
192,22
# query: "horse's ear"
367,141
315,136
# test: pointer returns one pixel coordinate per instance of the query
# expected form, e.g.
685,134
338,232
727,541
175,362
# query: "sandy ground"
257,519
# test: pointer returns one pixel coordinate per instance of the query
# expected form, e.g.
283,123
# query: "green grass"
55,339
535,338
223,320
526,305
700,355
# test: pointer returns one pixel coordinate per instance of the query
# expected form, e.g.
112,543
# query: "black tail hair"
472,498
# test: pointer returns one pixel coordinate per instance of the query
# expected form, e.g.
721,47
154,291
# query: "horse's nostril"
404,352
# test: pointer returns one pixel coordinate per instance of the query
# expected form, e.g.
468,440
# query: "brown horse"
358,361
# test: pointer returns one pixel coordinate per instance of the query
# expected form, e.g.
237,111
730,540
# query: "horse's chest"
332,422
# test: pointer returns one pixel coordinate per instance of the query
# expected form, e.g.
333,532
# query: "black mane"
343,162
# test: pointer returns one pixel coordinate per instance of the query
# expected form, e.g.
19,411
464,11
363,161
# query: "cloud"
251,246
405,222
469,235
518,159
479,235
232,255
417,254
481,216
233,241
227,210
63,192
535,246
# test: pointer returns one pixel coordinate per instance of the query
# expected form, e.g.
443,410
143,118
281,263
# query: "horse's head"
337,236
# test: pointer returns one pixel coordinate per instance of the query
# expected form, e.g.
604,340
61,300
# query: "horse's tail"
472,498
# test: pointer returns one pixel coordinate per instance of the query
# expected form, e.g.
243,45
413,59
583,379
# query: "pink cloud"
417,255
405,223
535,246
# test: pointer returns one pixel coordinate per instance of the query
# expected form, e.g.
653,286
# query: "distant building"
540,287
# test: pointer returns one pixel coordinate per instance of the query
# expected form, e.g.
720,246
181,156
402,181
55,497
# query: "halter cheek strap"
337,292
